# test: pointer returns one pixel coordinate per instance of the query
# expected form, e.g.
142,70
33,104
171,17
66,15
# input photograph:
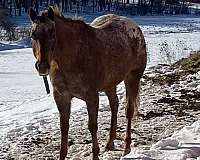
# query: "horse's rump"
122,47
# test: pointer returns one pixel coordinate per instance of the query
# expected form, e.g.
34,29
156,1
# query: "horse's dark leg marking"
64,107
92,102
114,103
132,82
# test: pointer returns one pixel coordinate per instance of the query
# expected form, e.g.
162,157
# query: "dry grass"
190,64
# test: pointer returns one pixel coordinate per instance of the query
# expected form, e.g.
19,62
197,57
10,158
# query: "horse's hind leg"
132,82
114,103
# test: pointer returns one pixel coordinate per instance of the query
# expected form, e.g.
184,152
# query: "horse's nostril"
42,68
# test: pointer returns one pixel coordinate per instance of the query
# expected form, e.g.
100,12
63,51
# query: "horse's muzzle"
42,68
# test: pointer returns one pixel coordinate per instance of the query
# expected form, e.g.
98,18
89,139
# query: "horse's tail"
141,48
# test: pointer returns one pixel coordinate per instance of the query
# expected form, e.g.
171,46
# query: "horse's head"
43,36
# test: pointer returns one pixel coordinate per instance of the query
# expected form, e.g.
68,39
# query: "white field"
23,99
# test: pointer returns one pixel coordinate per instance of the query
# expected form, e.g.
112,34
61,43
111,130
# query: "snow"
182,145
23,97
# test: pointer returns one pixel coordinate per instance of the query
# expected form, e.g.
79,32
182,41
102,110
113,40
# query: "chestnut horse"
83,59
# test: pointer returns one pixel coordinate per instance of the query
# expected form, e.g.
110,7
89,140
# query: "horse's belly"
70,84
112,77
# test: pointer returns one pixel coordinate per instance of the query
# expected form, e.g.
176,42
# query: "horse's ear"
50,13
32,14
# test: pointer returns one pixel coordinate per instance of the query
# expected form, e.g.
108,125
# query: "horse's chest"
76,87
71,83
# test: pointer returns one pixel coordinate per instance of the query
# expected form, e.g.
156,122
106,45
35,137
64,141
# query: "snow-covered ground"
181,145
23,96
23,99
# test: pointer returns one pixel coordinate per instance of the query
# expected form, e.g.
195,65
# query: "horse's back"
118,26
114,22
123,34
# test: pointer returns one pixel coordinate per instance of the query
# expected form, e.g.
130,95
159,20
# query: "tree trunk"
36,6
11,7
4,4
93,5
66,5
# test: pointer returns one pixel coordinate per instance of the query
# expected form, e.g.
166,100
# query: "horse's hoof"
126,151
95,158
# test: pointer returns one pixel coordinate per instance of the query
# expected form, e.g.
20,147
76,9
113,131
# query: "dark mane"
59,15
70,19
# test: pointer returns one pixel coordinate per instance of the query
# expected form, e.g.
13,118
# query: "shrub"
167,55
6,24
170,52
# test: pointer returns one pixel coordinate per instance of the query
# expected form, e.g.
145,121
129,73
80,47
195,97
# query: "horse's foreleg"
92,107
64,105
114,103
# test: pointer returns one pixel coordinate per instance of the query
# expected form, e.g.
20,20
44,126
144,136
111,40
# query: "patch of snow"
182,145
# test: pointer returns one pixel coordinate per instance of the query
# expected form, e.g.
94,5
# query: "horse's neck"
68,26
62,29
67,40
68,31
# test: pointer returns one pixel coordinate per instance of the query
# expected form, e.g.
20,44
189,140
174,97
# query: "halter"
45,77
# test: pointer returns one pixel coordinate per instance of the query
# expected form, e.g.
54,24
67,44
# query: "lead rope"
46,84
45,77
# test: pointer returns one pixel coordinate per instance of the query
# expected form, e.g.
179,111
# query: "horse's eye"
43,30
